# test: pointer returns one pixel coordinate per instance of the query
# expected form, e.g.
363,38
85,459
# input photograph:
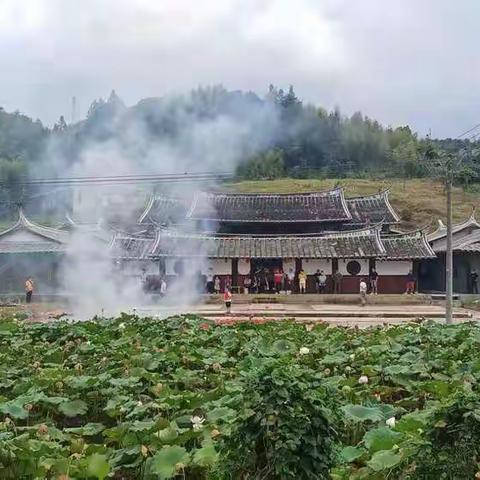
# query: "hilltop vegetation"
419,202
268,136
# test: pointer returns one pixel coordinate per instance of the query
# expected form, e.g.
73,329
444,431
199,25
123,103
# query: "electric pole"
449,252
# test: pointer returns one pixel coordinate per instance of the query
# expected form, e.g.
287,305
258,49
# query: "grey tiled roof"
371,209
163,211
407,246
360,244
49,239
258,207
31,247
129,247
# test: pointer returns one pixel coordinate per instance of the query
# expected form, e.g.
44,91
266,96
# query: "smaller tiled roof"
49,239
467,243
131,248
162,210
407,246
441,231
371,209
326,206
357,244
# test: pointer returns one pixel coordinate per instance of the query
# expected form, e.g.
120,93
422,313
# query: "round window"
353,267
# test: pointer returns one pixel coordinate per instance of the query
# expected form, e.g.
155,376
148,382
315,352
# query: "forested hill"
267,136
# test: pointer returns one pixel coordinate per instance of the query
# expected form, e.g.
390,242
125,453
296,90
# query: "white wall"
393,267
288,264
311,265
244,266
135,267
364,264
220,266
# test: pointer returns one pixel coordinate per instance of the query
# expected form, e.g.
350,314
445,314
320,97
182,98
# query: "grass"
418,202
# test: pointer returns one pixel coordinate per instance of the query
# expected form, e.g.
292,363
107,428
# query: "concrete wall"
310,265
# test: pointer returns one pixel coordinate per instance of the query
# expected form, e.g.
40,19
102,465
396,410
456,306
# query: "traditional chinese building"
240,234
29,249
466,256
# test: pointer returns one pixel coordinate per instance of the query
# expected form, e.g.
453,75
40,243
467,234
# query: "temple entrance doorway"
262,271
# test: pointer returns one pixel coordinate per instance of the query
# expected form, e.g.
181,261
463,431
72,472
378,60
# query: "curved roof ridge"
147,209
409,233
49,233
441,230
381,193
346,233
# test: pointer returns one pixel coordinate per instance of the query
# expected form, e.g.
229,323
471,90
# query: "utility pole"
449,253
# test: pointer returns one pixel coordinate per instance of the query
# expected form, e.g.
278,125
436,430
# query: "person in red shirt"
227,298
277,279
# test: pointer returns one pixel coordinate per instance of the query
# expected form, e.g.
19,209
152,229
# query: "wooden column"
235,275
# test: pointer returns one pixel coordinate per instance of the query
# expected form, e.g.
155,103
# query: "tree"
11,174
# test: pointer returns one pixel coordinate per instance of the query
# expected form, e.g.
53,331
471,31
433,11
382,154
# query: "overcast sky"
399,61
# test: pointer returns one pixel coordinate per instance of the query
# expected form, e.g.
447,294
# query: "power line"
468,131
124,179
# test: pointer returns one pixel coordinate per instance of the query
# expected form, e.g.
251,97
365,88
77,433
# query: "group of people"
275,280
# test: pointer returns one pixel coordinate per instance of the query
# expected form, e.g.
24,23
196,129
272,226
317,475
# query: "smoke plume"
207,131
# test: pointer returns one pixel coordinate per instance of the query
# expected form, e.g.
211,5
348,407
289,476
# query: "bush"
287,432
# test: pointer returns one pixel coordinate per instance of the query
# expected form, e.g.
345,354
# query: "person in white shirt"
163,287
210,285
363,292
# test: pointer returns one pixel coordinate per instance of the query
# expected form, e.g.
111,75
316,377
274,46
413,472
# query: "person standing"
290,280
28,290
410,283
247,283
320,281
302,281
337,282
227,298
374,282
363,292
163,287
217,284
277,279
210,286
473,281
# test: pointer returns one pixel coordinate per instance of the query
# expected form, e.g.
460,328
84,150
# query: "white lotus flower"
121,326
363,379
304,351
391,422
352,356
197,422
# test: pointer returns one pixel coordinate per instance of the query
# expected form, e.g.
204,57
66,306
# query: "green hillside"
418,202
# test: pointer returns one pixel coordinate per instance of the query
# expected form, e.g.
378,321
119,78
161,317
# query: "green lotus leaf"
350,453
382,438
384,460
73,408
166,462
359,413
98,466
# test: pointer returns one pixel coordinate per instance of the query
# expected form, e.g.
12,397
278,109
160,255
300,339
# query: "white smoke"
93,281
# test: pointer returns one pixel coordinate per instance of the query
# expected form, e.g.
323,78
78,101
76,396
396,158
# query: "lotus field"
184,398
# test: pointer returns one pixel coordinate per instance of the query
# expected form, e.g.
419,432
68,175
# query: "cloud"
402,61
